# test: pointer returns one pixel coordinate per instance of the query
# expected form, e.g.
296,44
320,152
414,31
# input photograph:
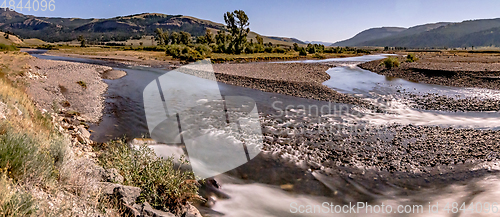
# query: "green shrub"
47,47
163,184
203,49
250,49
259,48
390,62
174,50
311,49
190,54
4,47
411,58
185,52
318,56
302,52
279,50
268,49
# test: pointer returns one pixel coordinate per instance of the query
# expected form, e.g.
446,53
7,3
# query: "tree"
259,39
237,24
159,36
162,37
175,38
209,37
311,48
201,40
295,47
223,40
166,37
82,41
220,38
185,38
302,51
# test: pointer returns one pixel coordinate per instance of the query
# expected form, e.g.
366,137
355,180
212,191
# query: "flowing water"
272,186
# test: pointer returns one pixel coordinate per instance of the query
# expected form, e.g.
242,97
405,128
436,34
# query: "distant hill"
484,32
318,42
121,28
369,34
283,39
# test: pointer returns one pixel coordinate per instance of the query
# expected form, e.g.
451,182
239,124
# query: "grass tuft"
390,62
14,202
411,58
164,185
82,83
4,47
24,158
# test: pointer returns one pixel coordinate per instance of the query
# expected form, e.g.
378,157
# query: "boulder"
127,194
147,211
82,139
85,133
192,211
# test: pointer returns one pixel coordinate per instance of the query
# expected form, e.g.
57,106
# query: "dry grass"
113,53
38,174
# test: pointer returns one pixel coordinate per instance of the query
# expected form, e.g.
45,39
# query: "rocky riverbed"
398,150
444,103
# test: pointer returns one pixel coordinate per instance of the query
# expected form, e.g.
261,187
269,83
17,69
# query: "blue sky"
306,20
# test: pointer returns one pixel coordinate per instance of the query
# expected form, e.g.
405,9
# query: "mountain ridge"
481,32
120,28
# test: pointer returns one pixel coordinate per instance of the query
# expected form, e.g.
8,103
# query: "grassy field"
113,52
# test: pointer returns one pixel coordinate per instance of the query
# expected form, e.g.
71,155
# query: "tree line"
233,39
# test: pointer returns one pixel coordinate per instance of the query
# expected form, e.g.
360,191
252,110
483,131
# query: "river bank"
447,69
